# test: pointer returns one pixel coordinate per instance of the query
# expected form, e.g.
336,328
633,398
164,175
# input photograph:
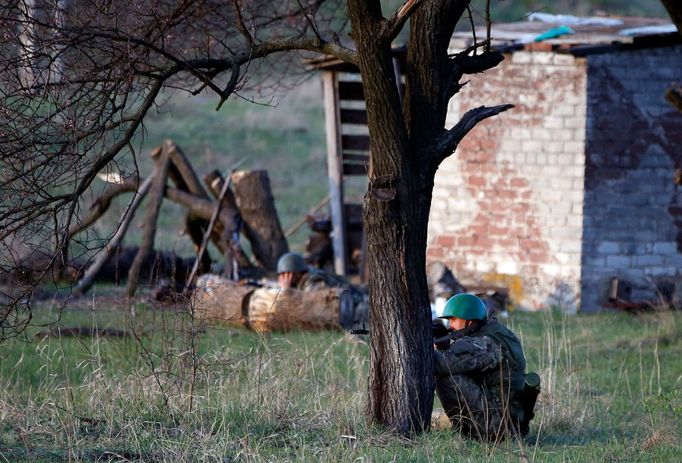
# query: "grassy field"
177,392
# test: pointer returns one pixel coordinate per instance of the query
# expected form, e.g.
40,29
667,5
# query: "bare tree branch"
445,146
395,23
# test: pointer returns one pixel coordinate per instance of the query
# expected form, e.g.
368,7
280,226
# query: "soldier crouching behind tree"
480,377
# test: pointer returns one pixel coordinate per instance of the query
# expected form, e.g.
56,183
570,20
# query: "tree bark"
401,381
261,223
151,217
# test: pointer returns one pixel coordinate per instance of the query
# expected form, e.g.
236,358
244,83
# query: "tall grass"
610,392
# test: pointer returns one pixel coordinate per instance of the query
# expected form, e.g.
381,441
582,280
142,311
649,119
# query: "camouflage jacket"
493,358
315,279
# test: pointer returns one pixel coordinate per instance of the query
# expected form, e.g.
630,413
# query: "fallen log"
256,206
218,300
286,310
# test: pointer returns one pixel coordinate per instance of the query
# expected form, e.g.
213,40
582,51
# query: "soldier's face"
457,323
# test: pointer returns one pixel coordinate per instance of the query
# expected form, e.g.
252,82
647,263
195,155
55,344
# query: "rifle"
442,336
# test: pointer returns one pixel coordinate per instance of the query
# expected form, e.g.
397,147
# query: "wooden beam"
350,91
355,142
334,168
354,116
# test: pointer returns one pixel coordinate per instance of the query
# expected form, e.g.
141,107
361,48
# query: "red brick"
434,252
497,231
447,241
466,241
519,182
476,181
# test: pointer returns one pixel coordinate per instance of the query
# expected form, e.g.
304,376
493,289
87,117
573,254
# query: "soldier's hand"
284,279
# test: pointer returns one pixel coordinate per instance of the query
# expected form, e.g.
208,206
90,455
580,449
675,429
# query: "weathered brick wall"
632,209
507,206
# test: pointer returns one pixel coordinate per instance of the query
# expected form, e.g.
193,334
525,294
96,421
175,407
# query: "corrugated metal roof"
584,33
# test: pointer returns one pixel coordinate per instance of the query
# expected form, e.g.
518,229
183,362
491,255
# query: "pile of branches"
218,210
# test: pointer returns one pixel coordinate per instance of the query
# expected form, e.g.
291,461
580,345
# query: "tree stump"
257,208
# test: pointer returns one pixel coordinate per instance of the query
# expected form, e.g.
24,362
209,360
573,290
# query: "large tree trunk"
401,381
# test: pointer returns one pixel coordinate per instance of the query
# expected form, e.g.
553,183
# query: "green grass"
611,387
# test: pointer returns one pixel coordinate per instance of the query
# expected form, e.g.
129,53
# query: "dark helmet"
291,262
465,306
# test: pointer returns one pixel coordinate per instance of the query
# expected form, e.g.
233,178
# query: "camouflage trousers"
473,411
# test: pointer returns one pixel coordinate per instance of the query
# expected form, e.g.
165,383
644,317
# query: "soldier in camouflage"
293,272
480,376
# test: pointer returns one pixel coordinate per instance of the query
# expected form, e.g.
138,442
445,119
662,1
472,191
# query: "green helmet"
291,262
465,306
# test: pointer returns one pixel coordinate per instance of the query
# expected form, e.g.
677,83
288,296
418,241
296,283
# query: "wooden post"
151,217
335,168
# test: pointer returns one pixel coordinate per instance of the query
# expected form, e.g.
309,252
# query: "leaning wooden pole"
91,273
155,198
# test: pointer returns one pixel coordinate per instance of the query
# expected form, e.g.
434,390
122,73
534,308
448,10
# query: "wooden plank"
355,158
351,91
334,169
355,142
355,169
354,116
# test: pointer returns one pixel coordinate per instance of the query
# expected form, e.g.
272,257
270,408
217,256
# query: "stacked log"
218,300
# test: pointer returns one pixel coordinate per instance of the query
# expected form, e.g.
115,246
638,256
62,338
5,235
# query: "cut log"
277,310
257,208
218,300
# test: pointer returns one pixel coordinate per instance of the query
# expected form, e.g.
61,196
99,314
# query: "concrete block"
570,247
618,262
665,248
660,271
608,247
649,261
521,57
565,110
553,122
541,133
560,59
542,58
553,147
531,146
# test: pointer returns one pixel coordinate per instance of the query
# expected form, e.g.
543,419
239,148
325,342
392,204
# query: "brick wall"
632,208
507,206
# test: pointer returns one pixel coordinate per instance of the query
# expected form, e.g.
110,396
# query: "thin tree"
118,56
